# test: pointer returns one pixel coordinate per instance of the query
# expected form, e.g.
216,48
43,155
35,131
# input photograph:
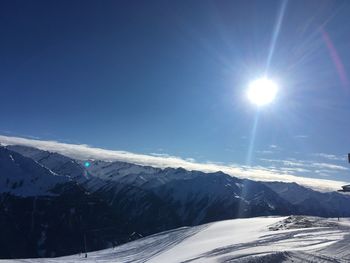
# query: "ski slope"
261,239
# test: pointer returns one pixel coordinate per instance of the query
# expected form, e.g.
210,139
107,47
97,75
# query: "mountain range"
53,205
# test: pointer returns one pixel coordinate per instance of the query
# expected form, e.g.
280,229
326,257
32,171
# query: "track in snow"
263,239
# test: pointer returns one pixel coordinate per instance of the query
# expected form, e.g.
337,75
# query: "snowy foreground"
262,239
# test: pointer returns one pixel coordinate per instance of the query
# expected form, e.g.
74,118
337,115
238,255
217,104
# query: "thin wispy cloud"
330,166
295,170
301,136
273,146
303,163
294,166
260,173
332,157
265,152
285,162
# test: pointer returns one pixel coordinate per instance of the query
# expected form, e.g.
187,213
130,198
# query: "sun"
262,91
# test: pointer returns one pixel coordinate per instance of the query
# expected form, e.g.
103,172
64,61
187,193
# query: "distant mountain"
23,176
310,202
55,162
195,197
58,213
50,202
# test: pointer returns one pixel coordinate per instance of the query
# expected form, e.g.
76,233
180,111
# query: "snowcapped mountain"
310,202
57,163
200,198
215,195
295,239
25,177
114,202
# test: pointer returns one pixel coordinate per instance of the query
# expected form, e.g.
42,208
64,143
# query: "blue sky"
161,77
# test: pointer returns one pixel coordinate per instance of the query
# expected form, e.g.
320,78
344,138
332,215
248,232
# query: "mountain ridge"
135,199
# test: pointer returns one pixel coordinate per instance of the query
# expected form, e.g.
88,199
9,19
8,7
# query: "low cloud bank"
258,173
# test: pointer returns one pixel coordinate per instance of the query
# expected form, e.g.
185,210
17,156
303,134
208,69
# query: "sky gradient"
169,78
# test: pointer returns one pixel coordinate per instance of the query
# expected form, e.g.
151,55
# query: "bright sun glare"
262,91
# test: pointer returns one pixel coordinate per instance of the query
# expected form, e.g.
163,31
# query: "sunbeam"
276,33
252,139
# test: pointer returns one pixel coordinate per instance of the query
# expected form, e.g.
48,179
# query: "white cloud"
307,164
330,156
293,162
160,154
259,173
265,152
330,166
295,170
301,136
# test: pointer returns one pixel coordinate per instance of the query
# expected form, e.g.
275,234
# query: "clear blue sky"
170,76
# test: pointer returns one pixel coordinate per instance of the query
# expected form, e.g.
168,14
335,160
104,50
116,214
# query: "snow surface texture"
261,239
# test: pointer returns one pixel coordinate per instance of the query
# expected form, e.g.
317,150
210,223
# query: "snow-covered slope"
261,239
